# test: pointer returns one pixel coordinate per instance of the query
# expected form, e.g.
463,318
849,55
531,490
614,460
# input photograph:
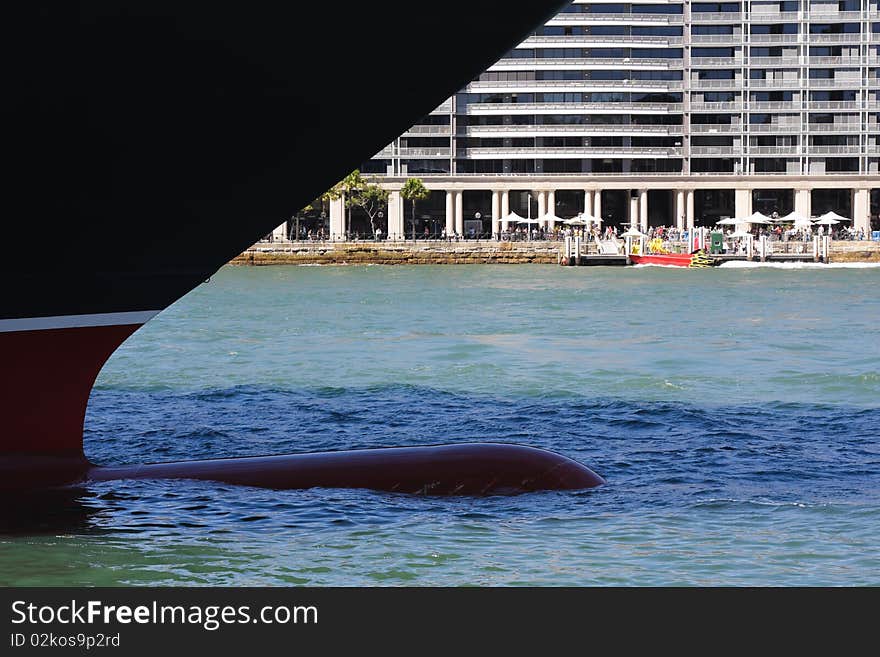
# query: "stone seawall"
862,251
468,252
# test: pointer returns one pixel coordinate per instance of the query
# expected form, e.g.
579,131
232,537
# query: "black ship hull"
152,141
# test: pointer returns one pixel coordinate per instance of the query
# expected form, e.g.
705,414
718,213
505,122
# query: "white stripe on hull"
76,321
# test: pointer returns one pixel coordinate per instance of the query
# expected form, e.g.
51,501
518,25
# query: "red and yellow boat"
657,255
698,259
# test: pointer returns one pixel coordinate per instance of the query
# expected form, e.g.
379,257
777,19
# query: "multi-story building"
657,112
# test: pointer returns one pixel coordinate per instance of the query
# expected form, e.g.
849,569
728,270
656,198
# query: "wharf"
821,249
443,252
601,260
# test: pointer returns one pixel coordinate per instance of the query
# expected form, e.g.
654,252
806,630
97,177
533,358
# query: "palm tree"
414,190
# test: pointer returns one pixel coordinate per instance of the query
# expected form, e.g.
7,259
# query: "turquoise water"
735,413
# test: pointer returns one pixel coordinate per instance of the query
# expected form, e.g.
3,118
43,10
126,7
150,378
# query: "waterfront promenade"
463,252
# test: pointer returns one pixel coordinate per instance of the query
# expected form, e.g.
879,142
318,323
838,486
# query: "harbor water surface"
735,413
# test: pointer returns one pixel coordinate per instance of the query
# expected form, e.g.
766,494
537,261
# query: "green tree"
346,189
371,198
414,190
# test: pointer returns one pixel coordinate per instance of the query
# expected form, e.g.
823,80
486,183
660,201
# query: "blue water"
735,413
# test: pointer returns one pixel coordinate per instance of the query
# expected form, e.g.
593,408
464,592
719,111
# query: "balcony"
834,105
774,84
715,151
425,153
625,152
573,108
841,61
819,16
429,130
848,149
714,39
848,127
835,83
722,62
791,150
715,128
776,62
563,130
716,84
444,108
774,106
716,17
572,64
854,38
733,106
561,86
773,17
773,39
588,40
773,128
610,19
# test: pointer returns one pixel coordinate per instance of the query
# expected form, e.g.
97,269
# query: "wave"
741,264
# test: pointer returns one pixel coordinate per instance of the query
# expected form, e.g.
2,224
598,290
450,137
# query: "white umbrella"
575,222
741,233
757,218
590,219
826,221
730,221
795,218
798,220
551,218
832,215
529,221
513,218
632,232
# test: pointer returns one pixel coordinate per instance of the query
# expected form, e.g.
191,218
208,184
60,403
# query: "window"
716,7
719,96
713,52
657,30
712,29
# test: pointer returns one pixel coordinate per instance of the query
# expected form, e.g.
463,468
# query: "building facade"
661,112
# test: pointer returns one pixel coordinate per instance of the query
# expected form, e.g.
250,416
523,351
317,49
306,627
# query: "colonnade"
546,201
682,208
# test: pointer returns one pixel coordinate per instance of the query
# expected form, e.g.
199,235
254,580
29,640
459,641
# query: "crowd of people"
594,233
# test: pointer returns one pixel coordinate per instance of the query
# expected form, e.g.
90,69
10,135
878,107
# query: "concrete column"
279,233
588,202
680,209
496,212
395,216
803,201
337,218
450,212
505,208
597,205
633,211
542,204
689,209
551,201
459,212
862,210
643,210
742,203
